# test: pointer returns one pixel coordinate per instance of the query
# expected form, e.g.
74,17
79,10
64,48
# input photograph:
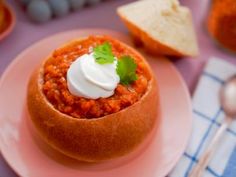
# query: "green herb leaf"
126,69
103,53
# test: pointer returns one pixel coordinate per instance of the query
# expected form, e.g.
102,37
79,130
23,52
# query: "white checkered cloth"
207,116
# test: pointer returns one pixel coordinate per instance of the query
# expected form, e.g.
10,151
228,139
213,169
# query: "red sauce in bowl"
55,84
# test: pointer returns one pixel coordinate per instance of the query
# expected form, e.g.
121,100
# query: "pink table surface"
104,16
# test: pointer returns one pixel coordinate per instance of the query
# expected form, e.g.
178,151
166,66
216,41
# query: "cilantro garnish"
126,69
103,54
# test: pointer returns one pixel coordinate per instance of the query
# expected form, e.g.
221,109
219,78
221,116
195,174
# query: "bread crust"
151,45
96,139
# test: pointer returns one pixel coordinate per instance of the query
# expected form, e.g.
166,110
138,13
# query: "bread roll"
94,139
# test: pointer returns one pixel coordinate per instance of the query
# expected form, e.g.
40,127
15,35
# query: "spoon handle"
206,156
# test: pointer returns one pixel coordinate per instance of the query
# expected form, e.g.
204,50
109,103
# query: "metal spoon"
228,103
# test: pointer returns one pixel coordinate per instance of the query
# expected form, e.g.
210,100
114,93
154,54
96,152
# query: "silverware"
228,103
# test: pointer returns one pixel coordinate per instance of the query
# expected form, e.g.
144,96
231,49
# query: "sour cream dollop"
89,79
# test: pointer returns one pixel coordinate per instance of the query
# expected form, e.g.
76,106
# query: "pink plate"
28,160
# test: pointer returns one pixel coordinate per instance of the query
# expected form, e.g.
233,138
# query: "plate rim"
173,68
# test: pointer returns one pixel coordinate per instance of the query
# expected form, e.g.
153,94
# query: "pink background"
104,16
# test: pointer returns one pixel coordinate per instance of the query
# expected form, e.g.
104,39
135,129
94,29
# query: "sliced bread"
162,26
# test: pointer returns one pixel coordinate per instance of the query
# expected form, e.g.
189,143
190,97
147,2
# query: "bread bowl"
88,134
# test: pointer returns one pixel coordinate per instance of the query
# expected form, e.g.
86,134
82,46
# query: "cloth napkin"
207,117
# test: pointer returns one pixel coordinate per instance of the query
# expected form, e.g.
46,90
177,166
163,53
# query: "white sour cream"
89,79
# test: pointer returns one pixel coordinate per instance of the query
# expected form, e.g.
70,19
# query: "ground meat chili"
55,84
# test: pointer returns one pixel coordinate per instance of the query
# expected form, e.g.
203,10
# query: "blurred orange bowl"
2,16
7,20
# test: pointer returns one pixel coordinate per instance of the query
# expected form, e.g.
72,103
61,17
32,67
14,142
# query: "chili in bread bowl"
88,129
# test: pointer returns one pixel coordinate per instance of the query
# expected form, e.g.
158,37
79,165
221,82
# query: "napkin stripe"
196,160
212,172
213,77
230,170
202,142
204,116
213,121
231,131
